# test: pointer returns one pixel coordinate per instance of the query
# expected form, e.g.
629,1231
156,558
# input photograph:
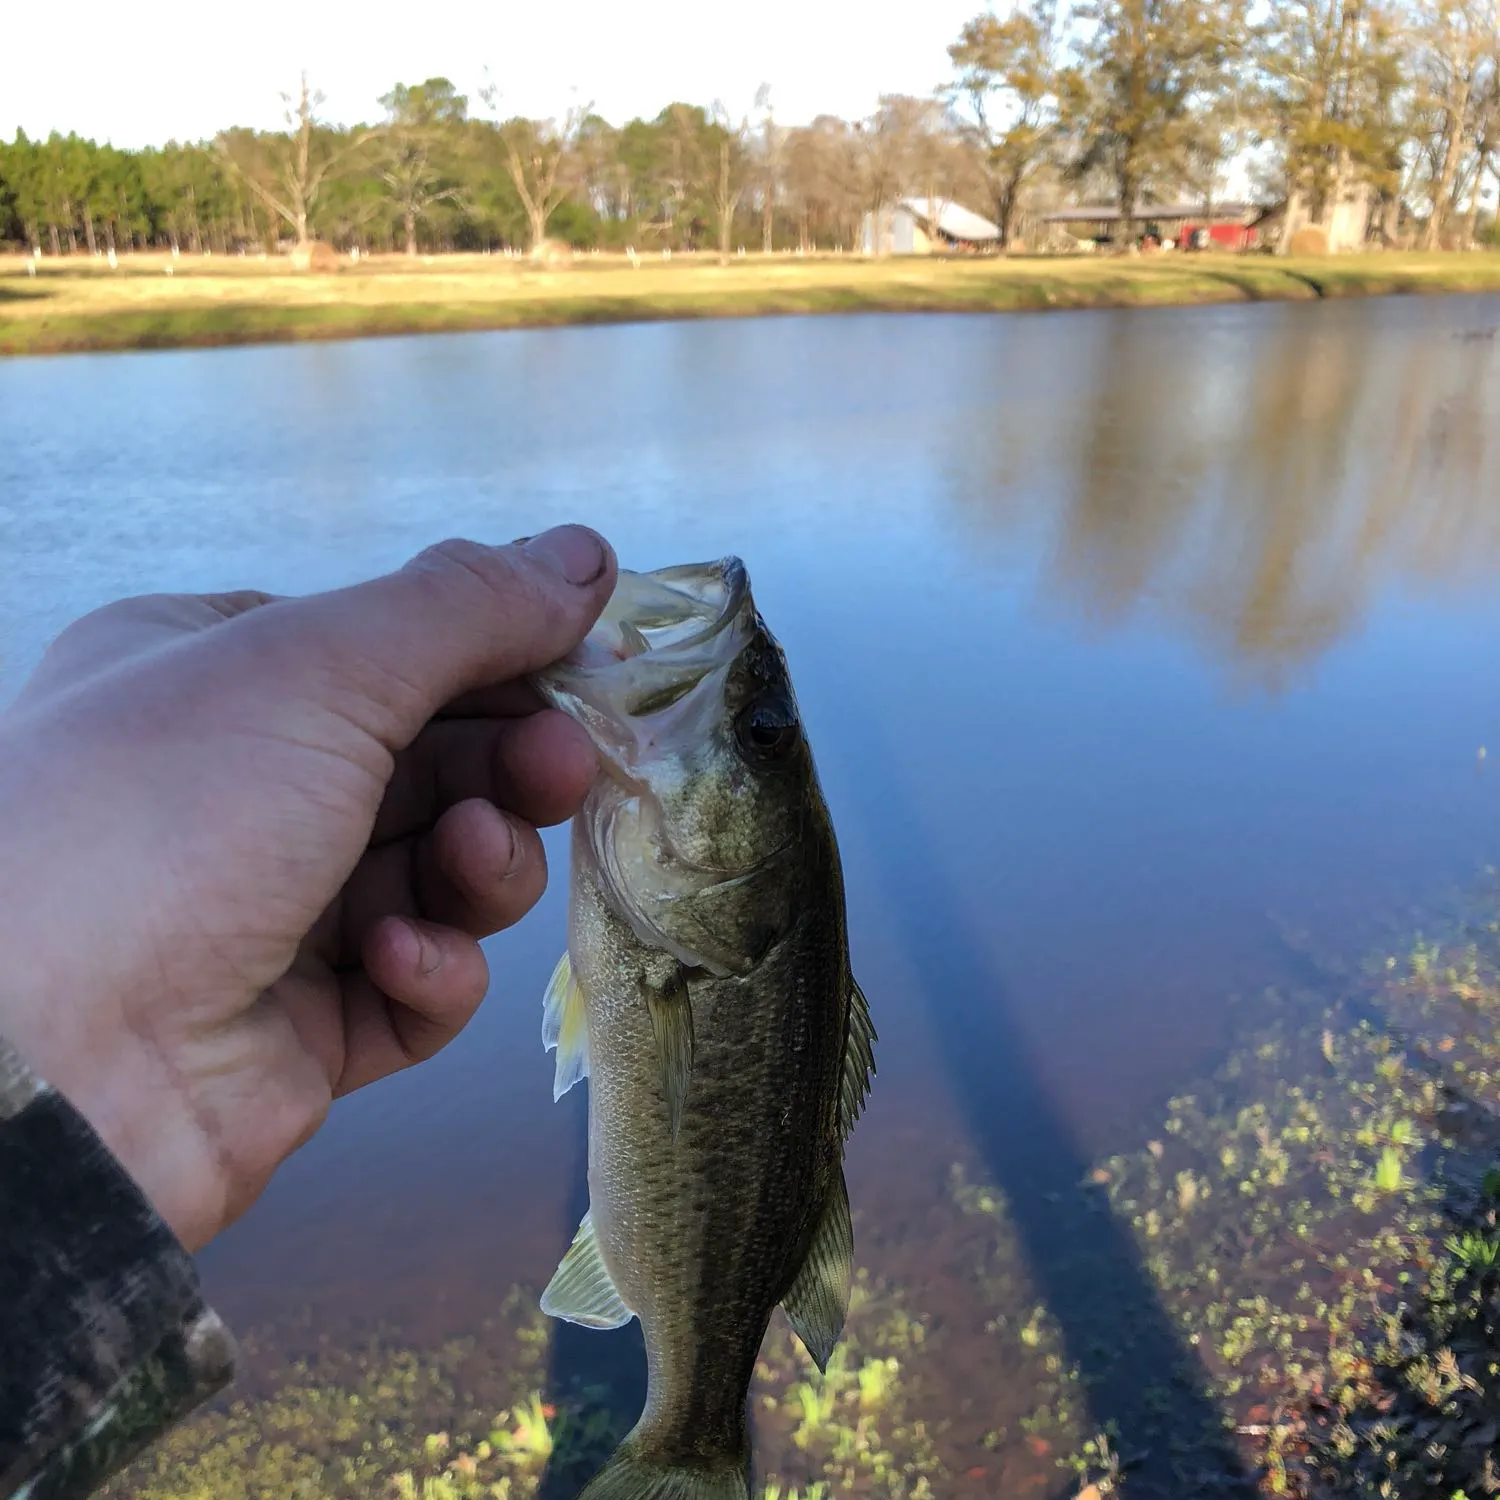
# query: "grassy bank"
78,304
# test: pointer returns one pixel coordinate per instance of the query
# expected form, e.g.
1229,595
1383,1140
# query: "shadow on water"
1082,1260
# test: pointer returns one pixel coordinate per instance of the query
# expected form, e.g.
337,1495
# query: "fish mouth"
680,609
645,677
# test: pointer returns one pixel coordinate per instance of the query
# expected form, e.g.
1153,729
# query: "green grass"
76,305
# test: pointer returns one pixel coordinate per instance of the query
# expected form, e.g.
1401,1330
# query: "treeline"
1384,111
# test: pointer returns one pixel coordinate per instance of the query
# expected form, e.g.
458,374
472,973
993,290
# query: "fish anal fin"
818,1301
671,1013
859,1059
582,1290
565,1025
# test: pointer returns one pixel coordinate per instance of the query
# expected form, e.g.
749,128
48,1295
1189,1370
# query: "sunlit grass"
75,302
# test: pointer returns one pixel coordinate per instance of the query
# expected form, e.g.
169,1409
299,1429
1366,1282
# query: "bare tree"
1327,73
769,151
1460,36
542,158
1007,76
422,121
289,173
824,177
732,176
684,167
1486,145
901,152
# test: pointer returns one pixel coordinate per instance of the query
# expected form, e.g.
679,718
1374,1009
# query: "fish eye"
767,730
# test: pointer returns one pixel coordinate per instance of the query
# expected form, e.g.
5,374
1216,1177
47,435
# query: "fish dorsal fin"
859,1059
582,1290
671,1013
565,1025
818,1302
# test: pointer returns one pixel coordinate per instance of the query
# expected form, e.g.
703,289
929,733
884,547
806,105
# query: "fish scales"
704,1234
708,998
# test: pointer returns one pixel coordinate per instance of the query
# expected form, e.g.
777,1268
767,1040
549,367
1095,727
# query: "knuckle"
500,576
137,607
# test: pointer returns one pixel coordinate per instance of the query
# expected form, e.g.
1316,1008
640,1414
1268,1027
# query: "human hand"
247,847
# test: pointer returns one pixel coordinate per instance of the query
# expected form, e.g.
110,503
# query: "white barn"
921,226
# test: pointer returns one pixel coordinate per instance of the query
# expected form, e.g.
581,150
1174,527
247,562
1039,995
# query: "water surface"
1131,644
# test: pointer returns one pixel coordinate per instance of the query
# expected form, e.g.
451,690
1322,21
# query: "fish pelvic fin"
818,1301
565,1025
630,1476
859,1060
581,1290
671,1013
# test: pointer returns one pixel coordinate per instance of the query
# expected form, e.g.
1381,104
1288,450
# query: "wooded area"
1385,110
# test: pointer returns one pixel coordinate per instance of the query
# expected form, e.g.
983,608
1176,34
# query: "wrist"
67,1003
135,1112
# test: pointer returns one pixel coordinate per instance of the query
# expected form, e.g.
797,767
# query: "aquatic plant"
354,1423
1040,1411
877,1378
818,1402
1474,1251
528,1438
1097,1467
1340,1280
850,1428
1388,1174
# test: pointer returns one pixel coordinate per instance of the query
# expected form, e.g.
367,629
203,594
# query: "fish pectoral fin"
818,1302
565,1025
671,1013
859,1059
582,1290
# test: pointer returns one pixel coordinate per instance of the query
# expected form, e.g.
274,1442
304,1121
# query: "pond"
1146,655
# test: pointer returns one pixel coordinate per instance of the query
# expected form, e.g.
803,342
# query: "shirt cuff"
105,1340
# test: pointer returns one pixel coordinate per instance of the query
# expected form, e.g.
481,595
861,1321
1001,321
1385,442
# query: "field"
151,301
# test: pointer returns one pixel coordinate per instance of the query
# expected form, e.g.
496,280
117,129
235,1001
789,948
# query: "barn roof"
953,219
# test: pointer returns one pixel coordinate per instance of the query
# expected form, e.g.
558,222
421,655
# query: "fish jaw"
649,678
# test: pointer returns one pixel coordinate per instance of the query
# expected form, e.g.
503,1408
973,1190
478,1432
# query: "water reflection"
1255,482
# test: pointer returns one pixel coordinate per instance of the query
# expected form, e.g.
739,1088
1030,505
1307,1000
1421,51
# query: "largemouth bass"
706,994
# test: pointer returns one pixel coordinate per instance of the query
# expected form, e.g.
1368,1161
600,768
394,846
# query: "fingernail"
508,862
429,956
575,551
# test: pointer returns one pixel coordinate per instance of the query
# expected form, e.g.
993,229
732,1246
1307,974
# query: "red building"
1228,234
1188,226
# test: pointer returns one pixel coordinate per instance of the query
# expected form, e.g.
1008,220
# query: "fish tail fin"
630,1476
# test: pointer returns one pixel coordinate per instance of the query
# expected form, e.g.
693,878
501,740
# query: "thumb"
460,616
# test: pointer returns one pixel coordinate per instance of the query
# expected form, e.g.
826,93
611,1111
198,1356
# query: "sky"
140,74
